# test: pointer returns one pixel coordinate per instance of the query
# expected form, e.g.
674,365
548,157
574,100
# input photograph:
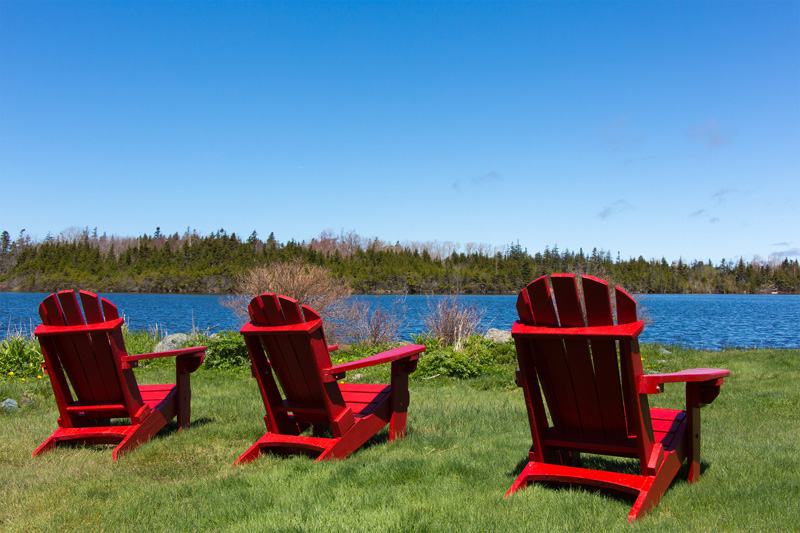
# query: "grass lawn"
467,441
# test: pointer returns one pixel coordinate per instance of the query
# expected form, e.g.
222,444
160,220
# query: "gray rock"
172,342
498,335
9,405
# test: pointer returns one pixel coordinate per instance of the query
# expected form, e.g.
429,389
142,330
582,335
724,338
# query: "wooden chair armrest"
333,347
654,383
408,351
622,331
201,350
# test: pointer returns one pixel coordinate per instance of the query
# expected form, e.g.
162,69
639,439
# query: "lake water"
700,321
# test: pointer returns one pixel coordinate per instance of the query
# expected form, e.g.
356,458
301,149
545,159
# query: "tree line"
195,263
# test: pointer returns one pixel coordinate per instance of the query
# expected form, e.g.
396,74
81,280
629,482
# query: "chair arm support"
622,331
408,351
303,328
654,383
333,347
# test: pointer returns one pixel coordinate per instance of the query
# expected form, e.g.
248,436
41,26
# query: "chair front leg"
692,435
400,397
184,365
698,394
183,395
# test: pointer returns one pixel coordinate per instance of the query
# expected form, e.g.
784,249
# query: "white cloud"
617,136
615,208
785,254
476,181
711,134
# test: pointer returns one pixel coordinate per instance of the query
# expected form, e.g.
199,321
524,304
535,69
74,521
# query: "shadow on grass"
607,464
380,438
167,431
172,428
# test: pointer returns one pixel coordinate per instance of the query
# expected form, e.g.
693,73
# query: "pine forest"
194,263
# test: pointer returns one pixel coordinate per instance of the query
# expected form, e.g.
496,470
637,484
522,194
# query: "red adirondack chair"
584,371
288,343
93,381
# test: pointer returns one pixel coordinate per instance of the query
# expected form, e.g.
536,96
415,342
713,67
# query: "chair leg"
522,480
140,433
252,453
355,437
397,426
400,400
47,445
692,437
654,487
184,400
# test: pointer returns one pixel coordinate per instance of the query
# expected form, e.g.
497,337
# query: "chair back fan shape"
92,379
586,392
84,363
294,350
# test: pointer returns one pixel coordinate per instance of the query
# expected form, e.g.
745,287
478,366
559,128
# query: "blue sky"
661,129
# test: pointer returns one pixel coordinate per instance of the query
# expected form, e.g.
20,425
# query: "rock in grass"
498,335
9,404
171,342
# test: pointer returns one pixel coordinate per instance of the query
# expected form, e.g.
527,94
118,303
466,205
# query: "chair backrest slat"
50,312
541,302
91,307
291,311
568,303
272,310
597,302
290,357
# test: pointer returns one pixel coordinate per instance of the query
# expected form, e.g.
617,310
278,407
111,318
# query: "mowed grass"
467,441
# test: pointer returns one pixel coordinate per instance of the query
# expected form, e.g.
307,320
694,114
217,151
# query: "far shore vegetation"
193,263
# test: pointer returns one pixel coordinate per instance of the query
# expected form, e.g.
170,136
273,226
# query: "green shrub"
476,356
20,356
140,341
226,350
448,362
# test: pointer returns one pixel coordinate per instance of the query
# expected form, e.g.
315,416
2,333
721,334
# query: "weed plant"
476,356
370,327
226,350
20,357
141,341
452,321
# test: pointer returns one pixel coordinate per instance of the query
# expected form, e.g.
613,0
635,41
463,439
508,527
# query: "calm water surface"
700,321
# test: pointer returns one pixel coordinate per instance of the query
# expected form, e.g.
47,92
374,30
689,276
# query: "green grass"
467,441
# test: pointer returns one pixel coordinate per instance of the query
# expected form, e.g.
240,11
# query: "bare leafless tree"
367,326
452,321
311,285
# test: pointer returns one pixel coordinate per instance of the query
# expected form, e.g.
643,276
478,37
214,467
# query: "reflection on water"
701,321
